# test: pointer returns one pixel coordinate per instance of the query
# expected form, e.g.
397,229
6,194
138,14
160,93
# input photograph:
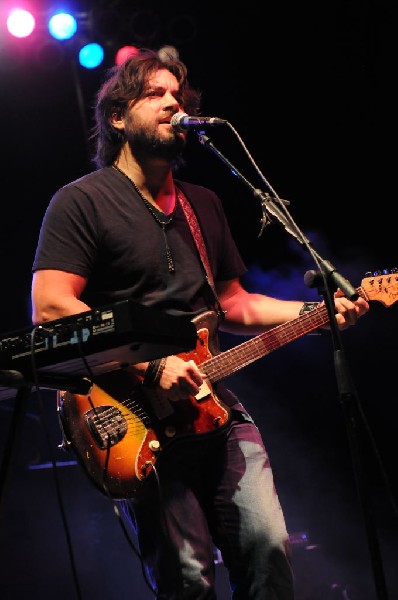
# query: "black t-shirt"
99,227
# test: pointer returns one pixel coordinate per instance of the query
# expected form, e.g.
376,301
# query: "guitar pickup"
107,425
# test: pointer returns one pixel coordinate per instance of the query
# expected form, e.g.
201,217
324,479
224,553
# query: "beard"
145,143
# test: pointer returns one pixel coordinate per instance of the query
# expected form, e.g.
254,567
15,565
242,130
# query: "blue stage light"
91,55
62,26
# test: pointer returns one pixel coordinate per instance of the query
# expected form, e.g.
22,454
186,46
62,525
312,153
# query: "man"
122,232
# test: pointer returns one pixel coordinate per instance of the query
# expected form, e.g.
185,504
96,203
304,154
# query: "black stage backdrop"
309,92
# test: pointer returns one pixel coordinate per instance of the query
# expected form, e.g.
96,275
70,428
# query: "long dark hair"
125,83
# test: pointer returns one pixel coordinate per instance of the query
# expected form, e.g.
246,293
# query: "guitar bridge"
107,425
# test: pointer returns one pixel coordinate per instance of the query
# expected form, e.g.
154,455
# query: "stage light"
168,53
91,55
20,23
123,53
110,32
62,26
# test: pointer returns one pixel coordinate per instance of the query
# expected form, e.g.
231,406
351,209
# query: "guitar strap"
198,238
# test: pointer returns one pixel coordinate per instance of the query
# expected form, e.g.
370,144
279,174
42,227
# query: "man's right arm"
56,294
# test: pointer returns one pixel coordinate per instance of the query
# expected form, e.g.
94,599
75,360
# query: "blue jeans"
214,490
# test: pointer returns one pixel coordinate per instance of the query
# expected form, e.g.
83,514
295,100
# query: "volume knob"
154,445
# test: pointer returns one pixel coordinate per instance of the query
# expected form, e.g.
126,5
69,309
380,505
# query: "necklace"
162,219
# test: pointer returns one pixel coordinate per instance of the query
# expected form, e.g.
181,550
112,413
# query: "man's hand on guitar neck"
348,312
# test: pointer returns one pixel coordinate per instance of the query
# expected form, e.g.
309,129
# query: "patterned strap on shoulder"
198,238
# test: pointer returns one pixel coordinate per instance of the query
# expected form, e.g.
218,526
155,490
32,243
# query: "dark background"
309,90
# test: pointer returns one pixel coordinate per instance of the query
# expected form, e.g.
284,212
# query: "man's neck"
153,178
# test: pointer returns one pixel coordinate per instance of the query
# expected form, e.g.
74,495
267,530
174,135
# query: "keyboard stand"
21,399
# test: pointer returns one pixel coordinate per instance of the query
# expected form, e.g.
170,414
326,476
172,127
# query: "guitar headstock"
381,286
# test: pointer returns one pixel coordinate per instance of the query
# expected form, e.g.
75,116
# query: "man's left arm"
251,314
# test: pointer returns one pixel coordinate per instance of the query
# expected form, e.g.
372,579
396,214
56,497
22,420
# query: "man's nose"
171,100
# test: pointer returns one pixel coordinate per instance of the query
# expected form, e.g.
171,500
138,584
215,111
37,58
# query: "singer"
132,229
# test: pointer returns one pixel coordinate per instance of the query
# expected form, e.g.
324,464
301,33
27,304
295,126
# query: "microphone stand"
327,280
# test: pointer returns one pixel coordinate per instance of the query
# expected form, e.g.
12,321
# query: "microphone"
182,122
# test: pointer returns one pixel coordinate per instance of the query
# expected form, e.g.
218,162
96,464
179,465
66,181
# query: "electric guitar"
120,429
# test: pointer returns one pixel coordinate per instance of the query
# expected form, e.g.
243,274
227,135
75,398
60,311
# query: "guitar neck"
232,360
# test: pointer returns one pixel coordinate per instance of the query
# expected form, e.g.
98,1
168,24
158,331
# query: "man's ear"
117,121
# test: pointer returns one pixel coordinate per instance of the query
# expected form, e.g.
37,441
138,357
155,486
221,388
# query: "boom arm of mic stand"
270,207
264,197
